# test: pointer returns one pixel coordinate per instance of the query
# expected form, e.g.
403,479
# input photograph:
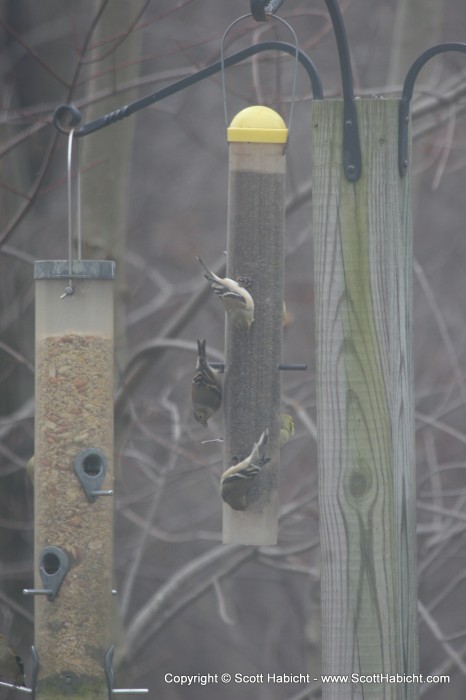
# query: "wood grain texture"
363,239
256,225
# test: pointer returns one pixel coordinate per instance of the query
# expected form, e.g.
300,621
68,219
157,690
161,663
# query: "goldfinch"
237,480
11,666
286,429
206,388
236,299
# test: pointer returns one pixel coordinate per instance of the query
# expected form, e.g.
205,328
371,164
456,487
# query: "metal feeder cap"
258,124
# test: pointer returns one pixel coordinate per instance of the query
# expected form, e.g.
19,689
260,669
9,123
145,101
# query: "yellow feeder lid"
260,124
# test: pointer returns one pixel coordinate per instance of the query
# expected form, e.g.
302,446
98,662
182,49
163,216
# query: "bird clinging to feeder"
235,297
287,429
206,389
237,480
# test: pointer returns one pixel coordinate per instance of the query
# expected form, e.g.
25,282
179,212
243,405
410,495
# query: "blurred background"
154,195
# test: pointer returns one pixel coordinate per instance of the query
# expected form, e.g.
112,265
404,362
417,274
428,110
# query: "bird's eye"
245,282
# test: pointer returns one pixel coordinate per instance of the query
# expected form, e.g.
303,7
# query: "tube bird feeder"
255,253
73,474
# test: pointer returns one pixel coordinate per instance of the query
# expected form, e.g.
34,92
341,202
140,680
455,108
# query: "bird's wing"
246,473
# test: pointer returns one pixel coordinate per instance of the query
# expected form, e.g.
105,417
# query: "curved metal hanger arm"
66,110
407,93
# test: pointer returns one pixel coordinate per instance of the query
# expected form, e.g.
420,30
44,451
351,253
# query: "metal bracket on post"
53,567
351,146
109,676
260,9
407,93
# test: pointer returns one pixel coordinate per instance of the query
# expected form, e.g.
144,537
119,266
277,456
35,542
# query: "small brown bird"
237,480
206,388
287,429
235,297
11,666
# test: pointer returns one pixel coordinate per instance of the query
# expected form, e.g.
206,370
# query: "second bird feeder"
73,469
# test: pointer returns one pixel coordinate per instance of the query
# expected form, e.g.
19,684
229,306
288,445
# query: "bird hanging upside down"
236,482
206,388
235,297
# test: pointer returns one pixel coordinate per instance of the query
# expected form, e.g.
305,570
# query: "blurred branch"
432,624
48,68
187,584
192,581
428,420
441,326
17,356
10,422
32,192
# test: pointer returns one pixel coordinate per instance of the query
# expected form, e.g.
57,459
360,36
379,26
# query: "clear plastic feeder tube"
74,448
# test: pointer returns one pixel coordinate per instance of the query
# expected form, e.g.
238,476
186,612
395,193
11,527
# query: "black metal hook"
407,93
351,145
74,114
261,8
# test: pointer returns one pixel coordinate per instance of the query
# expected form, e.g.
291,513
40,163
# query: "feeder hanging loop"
406,96
59,118
295,69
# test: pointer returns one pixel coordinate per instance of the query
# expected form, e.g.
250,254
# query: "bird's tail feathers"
209,274
256,450
201,348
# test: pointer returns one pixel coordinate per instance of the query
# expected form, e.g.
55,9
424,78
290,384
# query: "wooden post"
363,270
256,223
74,435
